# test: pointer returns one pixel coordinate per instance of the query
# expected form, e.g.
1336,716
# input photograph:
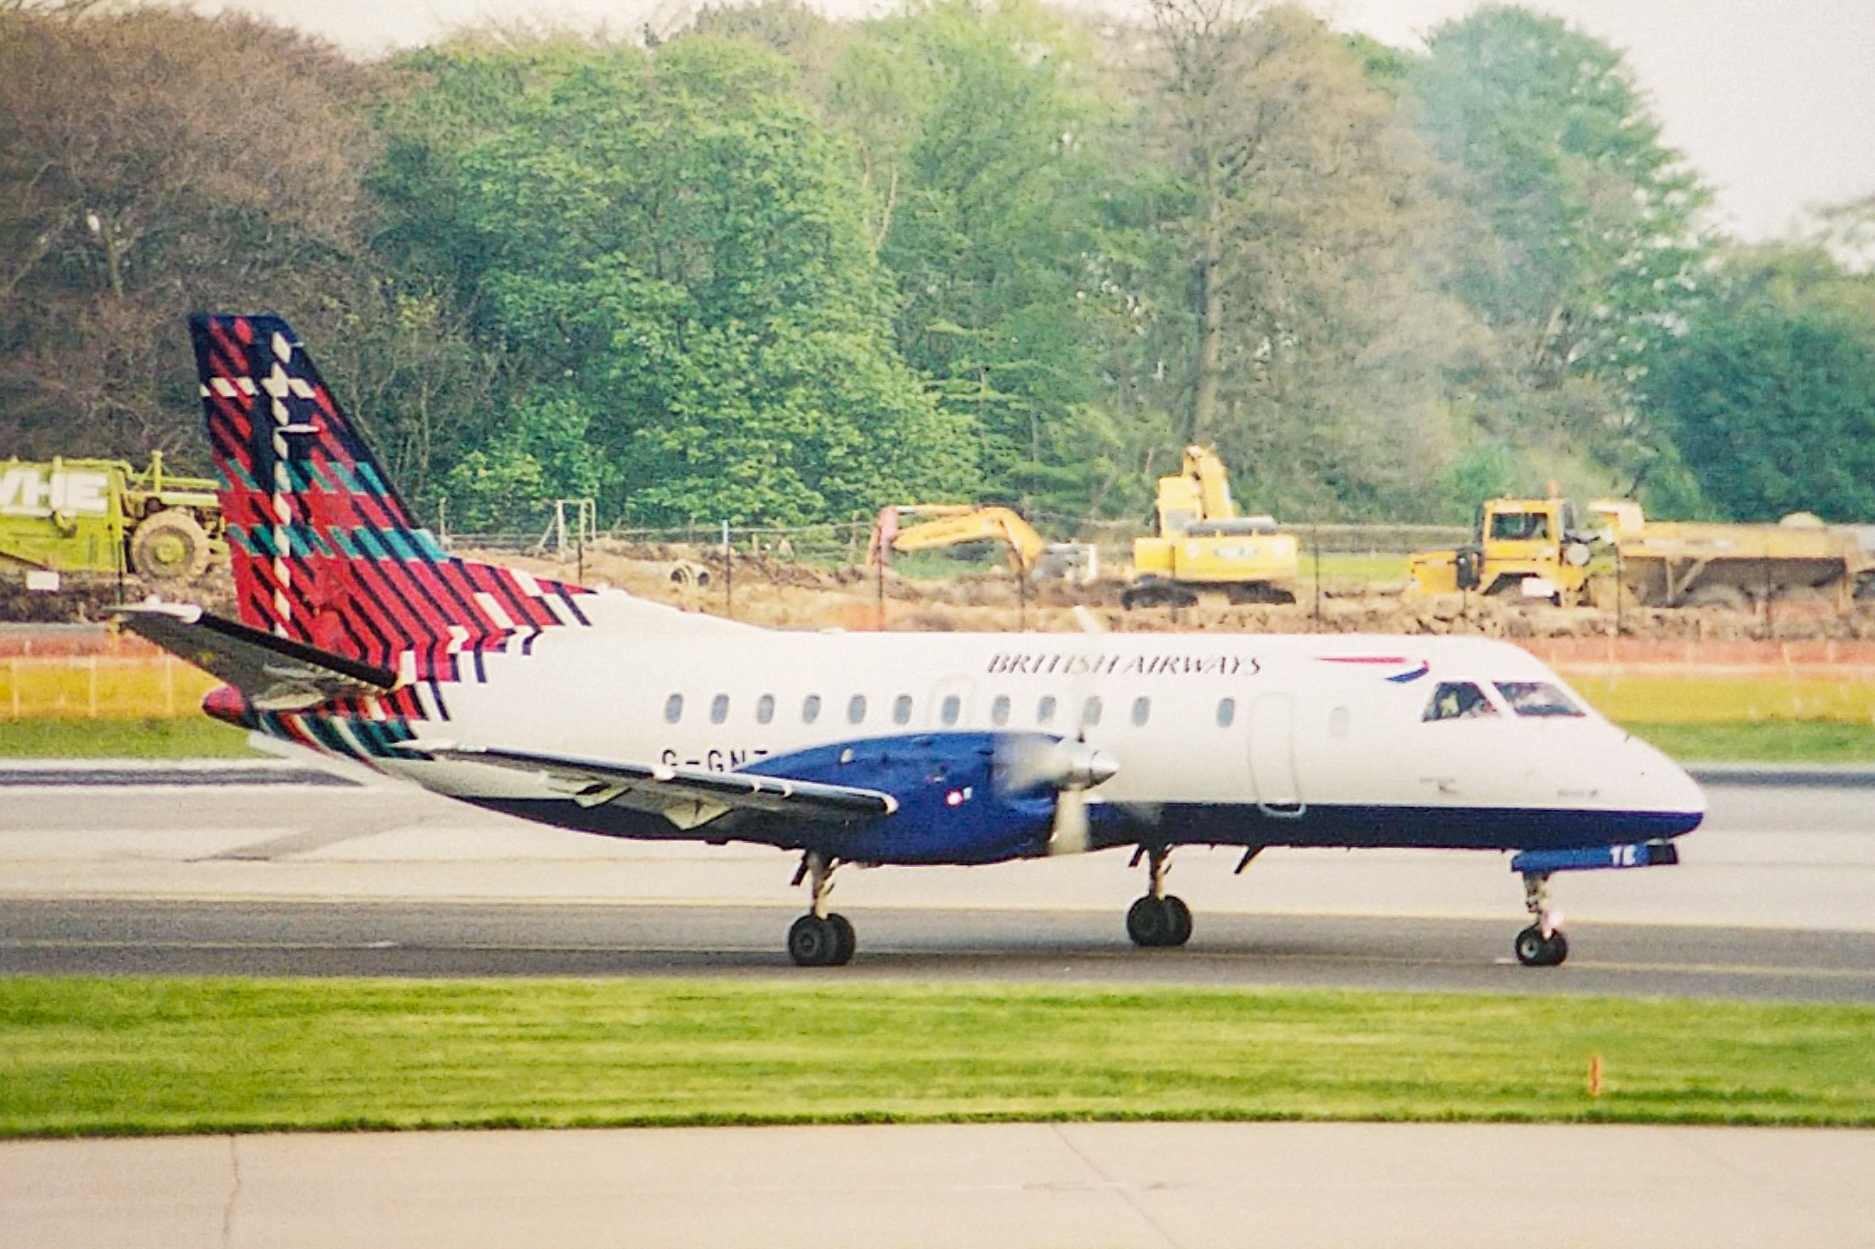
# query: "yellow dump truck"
1540,548
104,516
1694,564
1202,543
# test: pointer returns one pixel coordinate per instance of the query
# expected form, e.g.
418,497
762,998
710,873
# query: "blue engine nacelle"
953,807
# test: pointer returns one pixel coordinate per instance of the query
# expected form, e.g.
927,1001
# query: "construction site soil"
1809,632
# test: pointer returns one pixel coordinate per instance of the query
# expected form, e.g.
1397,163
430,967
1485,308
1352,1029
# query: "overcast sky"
1771,100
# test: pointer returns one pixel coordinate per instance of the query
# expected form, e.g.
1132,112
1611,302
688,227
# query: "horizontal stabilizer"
274,673
688,797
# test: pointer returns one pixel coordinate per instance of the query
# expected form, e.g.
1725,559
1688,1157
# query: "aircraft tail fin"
324,550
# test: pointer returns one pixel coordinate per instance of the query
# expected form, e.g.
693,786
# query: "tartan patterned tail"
324,550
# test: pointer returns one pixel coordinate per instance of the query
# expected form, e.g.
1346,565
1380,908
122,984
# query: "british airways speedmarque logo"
1411,669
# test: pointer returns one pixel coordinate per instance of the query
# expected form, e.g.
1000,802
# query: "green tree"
667,248
1586,250
981,136
1770,394
1305,327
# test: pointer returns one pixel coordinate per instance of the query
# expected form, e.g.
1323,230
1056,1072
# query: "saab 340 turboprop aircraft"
360,637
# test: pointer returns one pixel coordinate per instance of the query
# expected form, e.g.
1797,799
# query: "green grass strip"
138,1056
1770,741
185,737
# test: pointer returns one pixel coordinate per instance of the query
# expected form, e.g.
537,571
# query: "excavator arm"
956,523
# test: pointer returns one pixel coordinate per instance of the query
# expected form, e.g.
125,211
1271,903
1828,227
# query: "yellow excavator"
1203,544
951,524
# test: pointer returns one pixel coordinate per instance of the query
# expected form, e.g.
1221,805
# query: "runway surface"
1772,899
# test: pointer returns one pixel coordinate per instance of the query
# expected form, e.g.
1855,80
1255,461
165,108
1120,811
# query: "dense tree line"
769,268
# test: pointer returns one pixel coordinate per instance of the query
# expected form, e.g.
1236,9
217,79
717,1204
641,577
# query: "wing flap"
274,673
688,797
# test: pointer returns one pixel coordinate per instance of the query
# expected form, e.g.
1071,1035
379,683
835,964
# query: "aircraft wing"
688,797
275,673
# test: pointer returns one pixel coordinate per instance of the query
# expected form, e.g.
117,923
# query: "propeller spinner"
1068,766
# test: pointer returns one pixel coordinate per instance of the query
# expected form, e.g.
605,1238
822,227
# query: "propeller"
1069,767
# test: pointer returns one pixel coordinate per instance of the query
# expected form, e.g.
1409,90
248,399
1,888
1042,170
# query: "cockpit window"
1537,698
1458,700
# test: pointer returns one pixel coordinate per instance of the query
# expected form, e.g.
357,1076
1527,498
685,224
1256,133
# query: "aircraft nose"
1667,785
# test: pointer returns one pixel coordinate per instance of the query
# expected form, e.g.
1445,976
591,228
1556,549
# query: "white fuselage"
1281,723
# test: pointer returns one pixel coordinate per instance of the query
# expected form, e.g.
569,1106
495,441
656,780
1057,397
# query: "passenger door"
1273,755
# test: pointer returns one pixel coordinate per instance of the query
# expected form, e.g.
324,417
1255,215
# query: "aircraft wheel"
845,941
1155,922
1536,950
815,942
1179,916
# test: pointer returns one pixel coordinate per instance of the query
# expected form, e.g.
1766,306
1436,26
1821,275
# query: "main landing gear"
820,938
1542,944
1159,918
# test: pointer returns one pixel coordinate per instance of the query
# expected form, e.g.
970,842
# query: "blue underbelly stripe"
1363,827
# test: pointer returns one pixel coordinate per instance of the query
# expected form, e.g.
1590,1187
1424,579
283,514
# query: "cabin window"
1226,712
856,709
1537,698
719,709
1458,700
673,708
1142,711
810,709
1520,526
1338,722
1045,710
901,709
999,710
765,709
951,710
1090,712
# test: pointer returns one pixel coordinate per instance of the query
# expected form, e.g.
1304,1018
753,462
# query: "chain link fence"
845,543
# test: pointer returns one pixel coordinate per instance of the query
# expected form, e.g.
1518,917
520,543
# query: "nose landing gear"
1542,944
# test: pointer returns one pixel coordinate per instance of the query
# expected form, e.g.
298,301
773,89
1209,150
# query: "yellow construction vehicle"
1534,547
105,516
1202,543
953,524
1700,564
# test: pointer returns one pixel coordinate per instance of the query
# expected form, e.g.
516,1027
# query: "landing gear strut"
1159,918
1542,944
820,938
